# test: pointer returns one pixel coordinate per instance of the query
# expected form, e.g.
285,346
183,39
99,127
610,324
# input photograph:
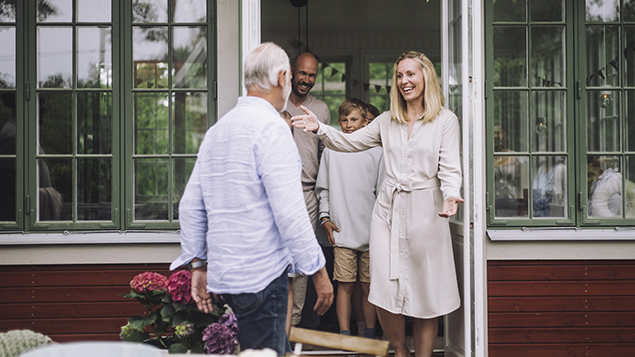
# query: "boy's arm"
322,191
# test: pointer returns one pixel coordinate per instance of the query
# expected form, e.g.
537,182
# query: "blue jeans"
262,316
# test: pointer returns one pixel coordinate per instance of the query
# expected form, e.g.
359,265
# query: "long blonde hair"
433,100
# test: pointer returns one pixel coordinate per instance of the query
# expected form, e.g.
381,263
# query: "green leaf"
137,336
179,307
197,347
139,322
167,311
177,348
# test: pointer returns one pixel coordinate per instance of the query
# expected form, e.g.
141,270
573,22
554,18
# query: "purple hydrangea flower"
220,337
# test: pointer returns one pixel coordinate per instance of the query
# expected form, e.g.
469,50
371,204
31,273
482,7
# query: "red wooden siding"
561,308
70,302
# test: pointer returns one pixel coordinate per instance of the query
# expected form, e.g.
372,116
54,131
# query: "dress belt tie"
394,217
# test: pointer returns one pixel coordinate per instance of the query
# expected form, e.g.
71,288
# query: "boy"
346,186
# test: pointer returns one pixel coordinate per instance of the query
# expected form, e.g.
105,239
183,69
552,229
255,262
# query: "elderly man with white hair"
242,215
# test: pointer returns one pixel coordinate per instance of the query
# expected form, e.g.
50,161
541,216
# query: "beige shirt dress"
411,262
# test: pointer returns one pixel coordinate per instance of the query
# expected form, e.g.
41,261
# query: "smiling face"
304,73
410,80
353,121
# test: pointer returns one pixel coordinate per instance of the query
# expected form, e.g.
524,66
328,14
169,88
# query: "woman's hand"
450,206
308,121
329,227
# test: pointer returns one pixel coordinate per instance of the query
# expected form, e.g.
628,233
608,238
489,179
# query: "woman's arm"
362,139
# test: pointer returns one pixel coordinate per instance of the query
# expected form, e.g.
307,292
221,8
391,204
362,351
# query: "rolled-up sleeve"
193,221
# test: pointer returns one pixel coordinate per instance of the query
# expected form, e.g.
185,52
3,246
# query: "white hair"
262,66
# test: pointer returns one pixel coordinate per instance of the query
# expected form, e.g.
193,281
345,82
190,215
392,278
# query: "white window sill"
561,234
130,237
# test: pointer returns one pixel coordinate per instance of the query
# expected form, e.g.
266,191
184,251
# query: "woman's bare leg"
394,326
424,335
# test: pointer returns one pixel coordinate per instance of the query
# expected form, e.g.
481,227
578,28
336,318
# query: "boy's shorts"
350,262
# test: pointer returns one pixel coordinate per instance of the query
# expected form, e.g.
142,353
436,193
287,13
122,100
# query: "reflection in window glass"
190,10
604,183
151,189
150,54
94,57
181,174
602,56
55,195
549,186
510,122
8,135
94,123
94,11
547,10
55,120
510,10
150,11
94,191
7,59
549,129
55,11
547,57
510,57
55,57
151,123
511,177
603,121
190,57
189,121
602,11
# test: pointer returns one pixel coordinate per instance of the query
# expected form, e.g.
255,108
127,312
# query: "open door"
455,87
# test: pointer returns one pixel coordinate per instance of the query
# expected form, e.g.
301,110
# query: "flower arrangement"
173,321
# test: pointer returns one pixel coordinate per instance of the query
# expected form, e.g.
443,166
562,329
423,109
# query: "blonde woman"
411,260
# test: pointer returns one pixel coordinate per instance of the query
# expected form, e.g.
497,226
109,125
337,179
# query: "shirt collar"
253,101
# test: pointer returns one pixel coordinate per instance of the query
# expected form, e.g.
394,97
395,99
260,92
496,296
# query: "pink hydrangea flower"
148,281
180,287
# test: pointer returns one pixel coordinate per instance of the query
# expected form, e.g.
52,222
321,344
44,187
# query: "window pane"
547,10
630,120
510,122
94,123
603,121
94,189
55,11
55,182
380,75
549,186
629,55
7,58
509,10
628,11
547,57
94,57
602,11
602,56
55,57
510,64
190,11
182,170
150,54
150,11
94,11
8,135
151,123
511,177
7,11
190,121
549,131
190,57
605,186
55,123
151,189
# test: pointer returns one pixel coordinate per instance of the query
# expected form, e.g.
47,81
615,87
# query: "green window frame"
100,142
559,122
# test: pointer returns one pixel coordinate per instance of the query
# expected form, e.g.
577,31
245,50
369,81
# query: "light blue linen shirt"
243,208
